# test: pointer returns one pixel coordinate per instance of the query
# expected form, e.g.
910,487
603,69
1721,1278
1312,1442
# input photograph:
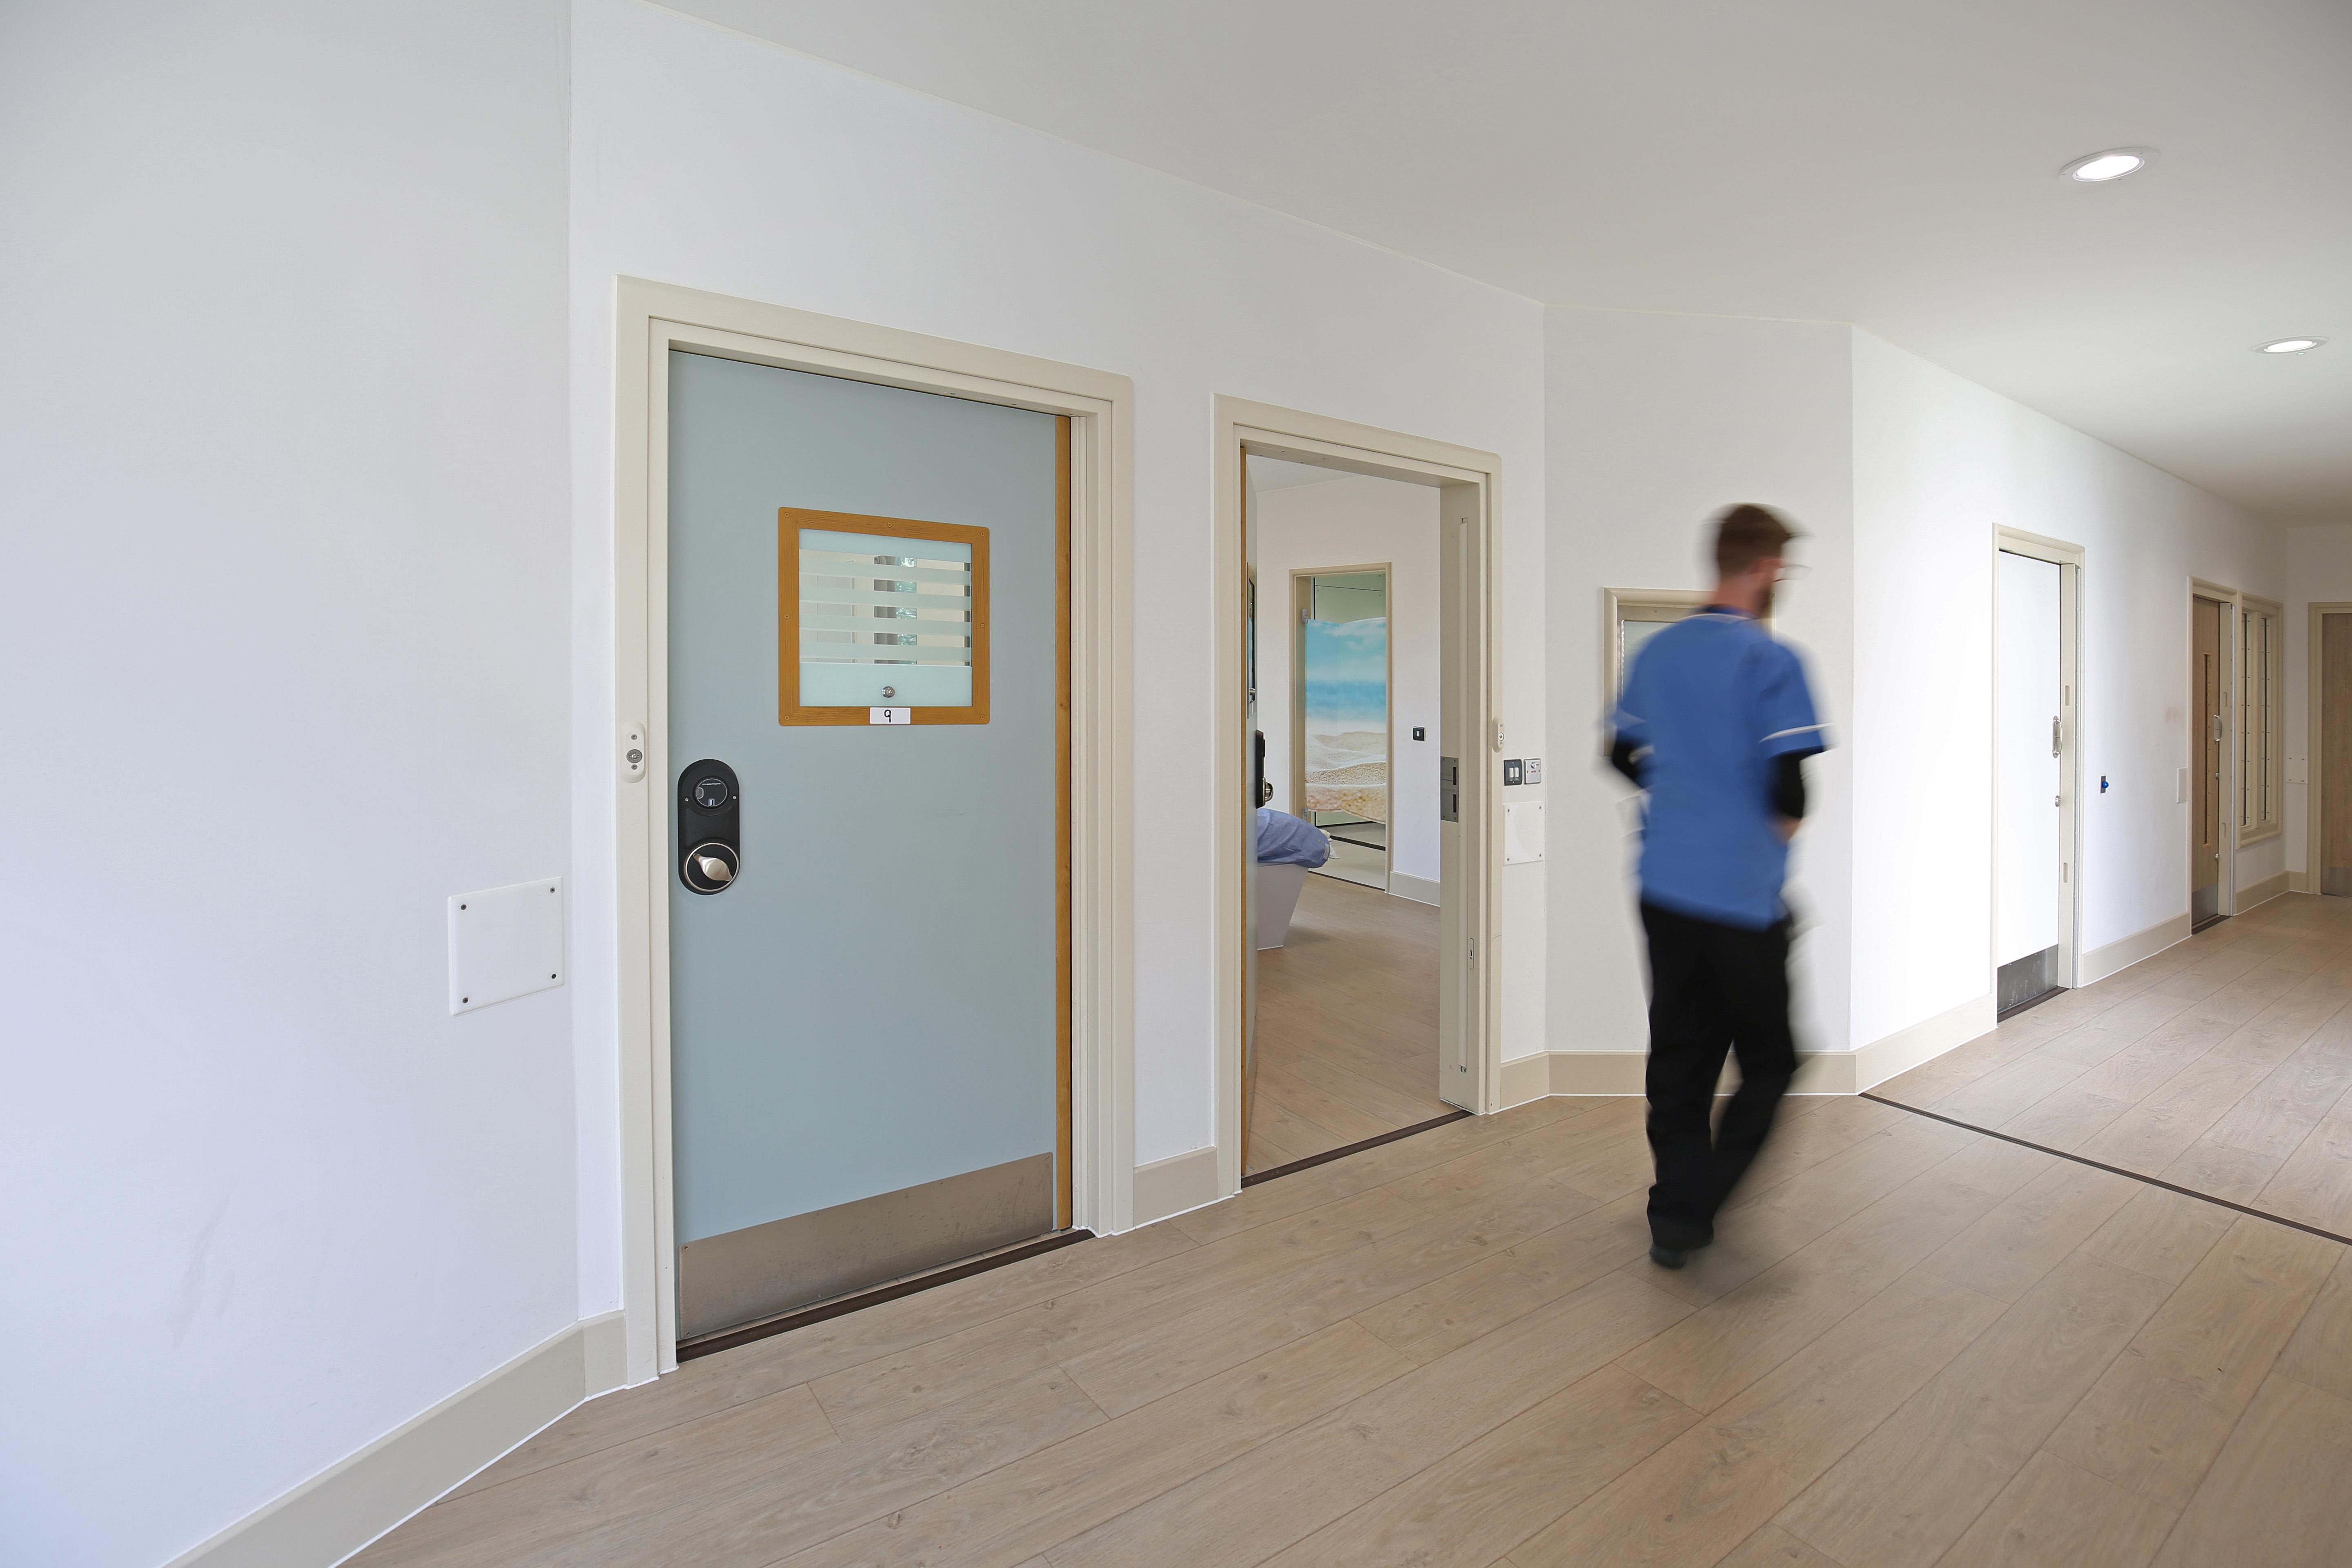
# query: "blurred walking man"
1714,723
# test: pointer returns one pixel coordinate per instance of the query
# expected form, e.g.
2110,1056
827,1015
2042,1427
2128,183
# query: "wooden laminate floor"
2221,1065
1913,1345
1346,1024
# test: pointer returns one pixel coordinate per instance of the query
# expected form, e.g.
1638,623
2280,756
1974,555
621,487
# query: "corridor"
1916,1344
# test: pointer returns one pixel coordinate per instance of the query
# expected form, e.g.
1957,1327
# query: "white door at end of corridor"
2029,851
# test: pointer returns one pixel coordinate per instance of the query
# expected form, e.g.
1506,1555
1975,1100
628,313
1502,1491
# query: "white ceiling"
1888,162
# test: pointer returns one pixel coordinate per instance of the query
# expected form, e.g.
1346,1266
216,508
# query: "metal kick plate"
724,1281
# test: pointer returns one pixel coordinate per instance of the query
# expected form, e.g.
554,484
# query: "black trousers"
1712,988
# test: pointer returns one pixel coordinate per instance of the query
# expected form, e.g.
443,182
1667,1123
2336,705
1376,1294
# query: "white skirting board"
2101,962
1818,1072
1177,1183
346,1506
2263,891
1420,890
1907,1048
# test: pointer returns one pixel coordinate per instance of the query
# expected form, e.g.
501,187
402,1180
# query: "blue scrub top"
1709,703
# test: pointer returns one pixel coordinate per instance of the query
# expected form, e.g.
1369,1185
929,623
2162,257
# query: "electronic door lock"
710,826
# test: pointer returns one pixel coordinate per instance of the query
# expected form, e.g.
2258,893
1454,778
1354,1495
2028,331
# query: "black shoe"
1666,1255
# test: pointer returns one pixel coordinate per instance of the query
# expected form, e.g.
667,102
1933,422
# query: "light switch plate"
505,942
1523,832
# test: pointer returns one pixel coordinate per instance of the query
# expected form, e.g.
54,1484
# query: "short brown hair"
1746,534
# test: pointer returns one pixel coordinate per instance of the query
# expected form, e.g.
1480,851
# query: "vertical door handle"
2055,731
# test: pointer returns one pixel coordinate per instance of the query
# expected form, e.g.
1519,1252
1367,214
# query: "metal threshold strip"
1345,1150
2116,1170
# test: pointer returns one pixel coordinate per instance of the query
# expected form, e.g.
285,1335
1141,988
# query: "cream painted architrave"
2233,762
1466,481
2069,559
655,317
1619,605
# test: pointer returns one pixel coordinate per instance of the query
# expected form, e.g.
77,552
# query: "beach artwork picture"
1345,681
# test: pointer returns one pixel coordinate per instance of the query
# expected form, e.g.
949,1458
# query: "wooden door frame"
1467,483
652,318
2232,602
2313,788
1298,698
2071,559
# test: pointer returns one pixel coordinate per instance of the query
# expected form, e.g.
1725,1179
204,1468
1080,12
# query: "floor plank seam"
2120,1171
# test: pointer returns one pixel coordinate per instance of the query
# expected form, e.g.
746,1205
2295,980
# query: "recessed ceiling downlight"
2098,168
2288,345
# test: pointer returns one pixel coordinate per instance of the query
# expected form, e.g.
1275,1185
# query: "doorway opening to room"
1345,624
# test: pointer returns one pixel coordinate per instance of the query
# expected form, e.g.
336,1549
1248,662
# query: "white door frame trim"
2069,559
1466,481
655,317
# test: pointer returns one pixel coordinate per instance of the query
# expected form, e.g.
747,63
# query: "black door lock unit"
710,826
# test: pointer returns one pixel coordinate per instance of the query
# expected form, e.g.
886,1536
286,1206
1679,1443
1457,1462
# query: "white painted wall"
287,623
1656,424
301,609
1901,471
1939,463
1346,520
714,161
2318,569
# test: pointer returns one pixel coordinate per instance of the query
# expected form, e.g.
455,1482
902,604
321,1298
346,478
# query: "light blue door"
866,1007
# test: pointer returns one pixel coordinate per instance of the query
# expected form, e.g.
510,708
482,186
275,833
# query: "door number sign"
889,715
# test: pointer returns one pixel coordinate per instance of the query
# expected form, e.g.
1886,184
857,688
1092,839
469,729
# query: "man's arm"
1627,759
1789,785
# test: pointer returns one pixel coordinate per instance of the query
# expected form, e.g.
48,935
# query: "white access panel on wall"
1523,832
505,942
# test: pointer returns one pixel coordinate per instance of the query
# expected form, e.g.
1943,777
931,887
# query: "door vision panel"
868,1010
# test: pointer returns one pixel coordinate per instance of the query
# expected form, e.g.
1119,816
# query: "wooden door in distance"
2336,756
2205,771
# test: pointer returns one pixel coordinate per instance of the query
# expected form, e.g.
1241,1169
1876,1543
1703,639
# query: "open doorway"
1345,640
